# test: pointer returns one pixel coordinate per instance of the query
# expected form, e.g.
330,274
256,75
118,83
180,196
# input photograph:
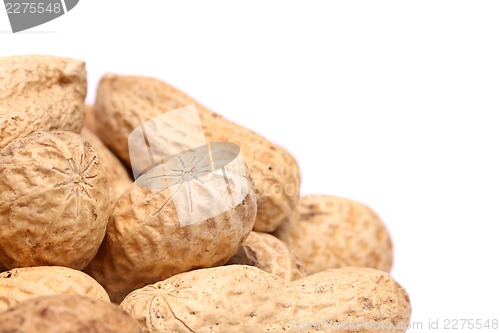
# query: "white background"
392,103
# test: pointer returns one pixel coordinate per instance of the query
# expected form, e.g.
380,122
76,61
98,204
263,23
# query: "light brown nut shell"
54,201
66,314
268,253
246,299
40,93
89,123
123,102
20,284
145,243
118,177
331,232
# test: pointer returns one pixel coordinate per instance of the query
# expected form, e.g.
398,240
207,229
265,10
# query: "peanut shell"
66,314
246,299
332,232
54,201
146,243
268,253
117,175
20,284
125,102
40,93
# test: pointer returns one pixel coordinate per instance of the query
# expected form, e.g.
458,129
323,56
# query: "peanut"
124,102
246,299
20,284
332,232
268,253
54,201
146,243
40,93
66,314
117,175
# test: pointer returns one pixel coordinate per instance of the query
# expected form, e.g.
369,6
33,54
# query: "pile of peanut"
84,248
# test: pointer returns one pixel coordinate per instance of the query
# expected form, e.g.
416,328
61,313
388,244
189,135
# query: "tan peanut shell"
118,177
40,93
124,102
145,242
332,232
268,253
66,314
243,299
20,284
54,201
89,123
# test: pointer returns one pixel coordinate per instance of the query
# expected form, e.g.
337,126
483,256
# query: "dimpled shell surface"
20,284
332,232
268,253
124,102
40,93
246,299
145,242
54,201
66,314
118,177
